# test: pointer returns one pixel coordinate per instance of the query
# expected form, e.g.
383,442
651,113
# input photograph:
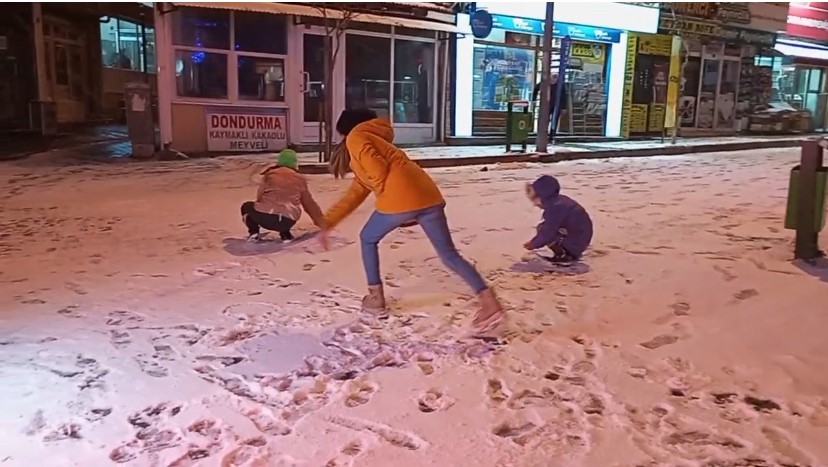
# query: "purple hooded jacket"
561,212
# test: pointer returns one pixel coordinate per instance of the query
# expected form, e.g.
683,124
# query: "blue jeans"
433,221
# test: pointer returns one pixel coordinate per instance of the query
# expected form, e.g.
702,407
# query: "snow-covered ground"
136,328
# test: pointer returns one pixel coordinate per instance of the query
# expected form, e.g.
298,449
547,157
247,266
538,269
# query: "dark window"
201,74
368,73
201,27
261,79
262,33
413,81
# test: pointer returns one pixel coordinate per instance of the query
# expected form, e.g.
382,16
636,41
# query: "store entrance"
711,86
809,93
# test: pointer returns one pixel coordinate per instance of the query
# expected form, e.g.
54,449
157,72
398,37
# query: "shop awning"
308,10
805,50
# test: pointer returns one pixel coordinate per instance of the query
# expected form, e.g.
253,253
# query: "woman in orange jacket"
405,195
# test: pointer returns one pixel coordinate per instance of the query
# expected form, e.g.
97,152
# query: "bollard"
807,235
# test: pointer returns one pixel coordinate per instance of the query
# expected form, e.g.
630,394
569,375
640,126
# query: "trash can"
140,125
819,204
518,125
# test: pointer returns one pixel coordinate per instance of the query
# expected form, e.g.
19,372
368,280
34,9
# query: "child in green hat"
282,195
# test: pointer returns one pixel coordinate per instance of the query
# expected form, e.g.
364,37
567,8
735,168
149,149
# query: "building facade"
251,79
799,68
505,65
66,64
721,85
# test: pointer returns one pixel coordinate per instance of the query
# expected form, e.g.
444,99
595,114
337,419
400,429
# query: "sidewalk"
98,140
107,145
453,156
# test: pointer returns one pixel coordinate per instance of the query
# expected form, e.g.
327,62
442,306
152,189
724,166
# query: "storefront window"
413,75
368,73
123,45
202,54
201,74
261,79
501,74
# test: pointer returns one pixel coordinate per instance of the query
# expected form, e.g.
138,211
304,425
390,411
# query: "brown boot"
490,314
374,302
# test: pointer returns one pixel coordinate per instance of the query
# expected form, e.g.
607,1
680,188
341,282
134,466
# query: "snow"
135,327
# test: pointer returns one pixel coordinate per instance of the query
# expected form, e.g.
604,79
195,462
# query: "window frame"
233,55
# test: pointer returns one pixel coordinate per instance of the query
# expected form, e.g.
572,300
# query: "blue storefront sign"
481,24
575,31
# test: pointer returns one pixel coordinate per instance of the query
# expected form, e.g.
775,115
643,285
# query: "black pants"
255,220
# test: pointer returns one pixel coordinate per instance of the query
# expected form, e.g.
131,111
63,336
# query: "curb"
443,162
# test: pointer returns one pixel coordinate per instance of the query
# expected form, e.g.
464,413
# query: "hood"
546,186
379,127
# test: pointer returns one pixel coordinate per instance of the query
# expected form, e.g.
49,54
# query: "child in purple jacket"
566,228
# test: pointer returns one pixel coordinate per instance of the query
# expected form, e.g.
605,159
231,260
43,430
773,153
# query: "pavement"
108,143
102,141
454,156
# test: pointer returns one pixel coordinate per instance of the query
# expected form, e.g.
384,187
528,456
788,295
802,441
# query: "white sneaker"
254,238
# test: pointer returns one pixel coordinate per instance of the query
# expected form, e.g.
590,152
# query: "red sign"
808,20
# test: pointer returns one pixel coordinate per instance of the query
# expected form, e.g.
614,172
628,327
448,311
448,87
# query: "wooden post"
806,231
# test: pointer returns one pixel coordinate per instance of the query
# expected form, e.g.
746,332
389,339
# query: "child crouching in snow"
282,195
566,228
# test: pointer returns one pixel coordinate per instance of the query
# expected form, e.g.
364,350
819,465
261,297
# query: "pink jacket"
285,192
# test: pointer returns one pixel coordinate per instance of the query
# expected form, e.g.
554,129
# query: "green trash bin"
793,196
518,125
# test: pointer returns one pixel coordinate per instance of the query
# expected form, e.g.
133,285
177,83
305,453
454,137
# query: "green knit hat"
287,158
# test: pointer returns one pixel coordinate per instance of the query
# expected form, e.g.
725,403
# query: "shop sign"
768,17
688,26
242,132
808,20
655,44
481,24
575,31
591,52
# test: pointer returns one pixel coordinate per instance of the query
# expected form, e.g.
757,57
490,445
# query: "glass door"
313,66
726,95
708,89
312,85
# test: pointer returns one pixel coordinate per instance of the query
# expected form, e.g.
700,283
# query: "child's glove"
528,245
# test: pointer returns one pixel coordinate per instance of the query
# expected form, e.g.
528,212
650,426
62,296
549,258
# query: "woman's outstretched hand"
324,239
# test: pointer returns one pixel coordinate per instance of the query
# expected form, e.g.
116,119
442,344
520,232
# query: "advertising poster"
648,77
629,79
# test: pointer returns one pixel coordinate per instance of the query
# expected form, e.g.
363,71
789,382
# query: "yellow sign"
629,78
638,118
588,51
656,118
673,84
655,44
689,26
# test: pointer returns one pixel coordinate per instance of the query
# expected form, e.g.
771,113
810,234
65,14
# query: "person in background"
282,195
405,194
554,103
566,228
